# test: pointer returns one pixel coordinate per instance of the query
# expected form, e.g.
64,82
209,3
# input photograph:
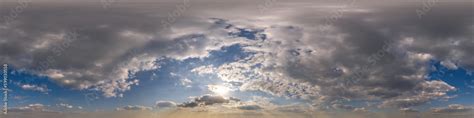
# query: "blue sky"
459,78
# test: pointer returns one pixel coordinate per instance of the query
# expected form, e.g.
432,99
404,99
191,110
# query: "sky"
229,58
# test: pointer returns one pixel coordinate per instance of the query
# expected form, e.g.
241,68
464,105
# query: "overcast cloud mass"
229,58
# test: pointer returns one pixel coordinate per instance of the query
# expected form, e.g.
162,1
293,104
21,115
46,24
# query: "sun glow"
219,89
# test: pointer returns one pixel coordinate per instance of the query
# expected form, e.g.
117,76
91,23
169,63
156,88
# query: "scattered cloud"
430,90
453,108
63,105
30,108
31,87
133,108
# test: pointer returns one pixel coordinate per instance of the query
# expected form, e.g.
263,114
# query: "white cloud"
31,87
134,108
30,108
450,65
186,82
63,105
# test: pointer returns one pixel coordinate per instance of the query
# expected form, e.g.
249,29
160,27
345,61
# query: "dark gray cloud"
372,52
249,107
206,100
87,47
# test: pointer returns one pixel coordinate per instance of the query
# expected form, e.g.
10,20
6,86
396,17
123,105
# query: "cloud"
65,105
249,107
30,108
453,108
186,82
430,90
295,108
342,106
40,108
408,110
180,113
361,109
31,87
133,108
118,43
206,100
356,58
349,108
449,65
68,106
165,104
